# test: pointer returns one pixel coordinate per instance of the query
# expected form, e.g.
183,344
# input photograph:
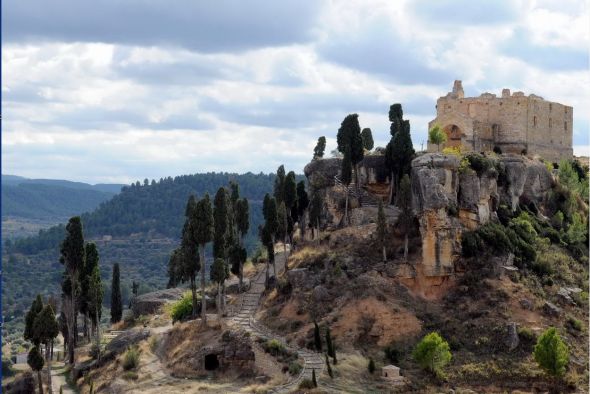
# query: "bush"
131,359
392,353
182,309
274,347
130,375
479,163
371,366
526,334
471,244
497,150
7,367
295,368
432,353
551,353
94,351
306,384
575,323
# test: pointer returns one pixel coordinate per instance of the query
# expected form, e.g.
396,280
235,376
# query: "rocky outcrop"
150,303
127,338
523,181
23,384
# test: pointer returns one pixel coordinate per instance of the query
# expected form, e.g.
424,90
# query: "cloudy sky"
111,91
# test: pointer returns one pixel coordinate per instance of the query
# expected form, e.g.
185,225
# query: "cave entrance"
211,362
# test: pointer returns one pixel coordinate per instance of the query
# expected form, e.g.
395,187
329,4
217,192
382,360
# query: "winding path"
245,317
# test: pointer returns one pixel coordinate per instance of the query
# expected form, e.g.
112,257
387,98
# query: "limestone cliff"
449,196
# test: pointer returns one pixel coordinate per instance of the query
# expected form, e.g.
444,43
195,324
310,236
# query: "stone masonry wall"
512,122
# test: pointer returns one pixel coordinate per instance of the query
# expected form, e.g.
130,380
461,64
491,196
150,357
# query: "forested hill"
156,208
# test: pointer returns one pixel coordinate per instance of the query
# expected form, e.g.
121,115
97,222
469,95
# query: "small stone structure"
513,122
150,303
391,373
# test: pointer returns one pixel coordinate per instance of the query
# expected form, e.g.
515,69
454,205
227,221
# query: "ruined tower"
513,123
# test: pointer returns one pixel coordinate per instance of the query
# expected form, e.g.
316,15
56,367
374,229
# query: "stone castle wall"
513,122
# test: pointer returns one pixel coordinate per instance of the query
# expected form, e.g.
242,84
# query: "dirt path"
245,318
58,378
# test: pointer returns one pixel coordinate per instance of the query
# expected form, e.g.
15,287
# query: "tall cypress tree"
350,142
36,362
36,308
400,150
290,204
95,295
320,147
315,211
302,205
317,339
91,262
45,330
279,186
271,226
404,202
218,275
116,301
72,257
203,234
242,224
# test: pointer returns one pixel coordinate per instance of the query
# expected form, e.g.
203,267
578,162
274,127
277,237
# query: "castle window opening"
534,121
550,107
565,126
550,123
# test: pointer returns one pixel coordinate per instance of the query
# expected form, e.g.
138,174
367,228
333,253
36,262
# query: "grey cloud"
220,26
379,50
520,46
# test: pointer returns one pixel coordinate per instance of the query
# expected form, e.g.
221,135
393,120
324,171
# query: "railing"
365,198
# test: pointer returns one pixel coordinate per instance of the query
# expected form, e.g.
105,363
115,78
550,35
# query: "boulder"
512,340
232,286
524,180
23,384
551,309
320,294
150,303
127,338
526,304
564,296
297,277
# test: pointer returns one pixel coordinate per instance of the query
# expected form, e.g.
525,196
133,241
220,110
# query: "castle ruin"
514,123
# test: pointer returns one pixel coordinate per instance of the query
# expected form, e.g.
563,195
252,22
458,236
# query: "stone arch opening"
454,136
211,362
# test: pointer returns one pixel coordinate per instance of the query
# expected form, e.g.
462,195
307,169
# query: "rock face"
149,303
24,384
448,197
127,338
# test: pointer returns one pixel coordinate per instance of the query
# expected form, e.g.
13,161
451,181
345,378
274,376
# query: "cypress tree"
45,330
329,368
302,205
400,150
203,234
346,177
318,151
271,226
317,339
315,211
291,206
95,295
279,186
220,215
36,362
382,229
367,137
242,224
313,378
371,366
329,346
91,261
404,202
116,301
72,257
350,141
218,275
36,308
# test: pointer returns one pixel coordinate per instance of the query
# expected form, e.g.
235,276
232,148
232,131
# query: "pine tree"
328,367
404,202
36,362
317,339
72,257
203,234
116,301
318,151
382,229
551,353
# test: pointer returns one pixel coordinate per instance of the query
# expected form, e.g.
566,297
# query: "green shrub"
494,235
131,359
392,353
432,353
295,368
526,334
7,369
306,384
153,342
479,163
471,244
182,309
551,353
575,323
130,375
274,347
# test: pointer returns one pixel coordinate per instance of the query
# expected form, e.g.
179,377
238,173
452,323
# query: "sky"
110,91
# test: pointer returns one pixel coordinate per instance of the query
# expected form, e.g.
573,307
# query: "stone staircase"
244,316
363,196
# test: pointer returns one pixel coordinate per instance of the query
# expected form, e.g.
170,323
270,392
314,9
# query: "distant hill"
112,188
157,209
